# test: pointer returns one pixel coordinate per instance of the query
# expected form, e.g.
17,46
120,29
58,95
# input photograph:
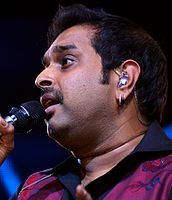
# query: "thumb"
82,194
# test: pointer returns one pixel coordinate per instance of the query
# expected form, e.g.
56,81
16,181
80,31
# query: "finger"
6,139
82,194
3,123
6,135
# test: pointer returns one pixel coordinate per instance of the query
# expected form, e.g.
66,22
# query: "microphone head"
28,115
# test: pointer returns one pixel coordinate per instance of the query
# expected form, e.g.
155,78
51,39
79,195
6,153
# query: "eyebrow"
62,48
57,49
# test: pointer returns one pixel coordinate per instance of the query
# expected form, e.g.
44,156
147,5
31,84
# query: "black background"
23,27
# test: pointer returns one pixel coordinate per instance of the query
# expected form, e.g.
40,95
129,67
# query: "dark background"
23,27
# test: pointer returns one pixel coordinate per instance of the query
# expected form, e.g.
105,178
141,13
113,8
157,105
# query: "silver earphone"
123,78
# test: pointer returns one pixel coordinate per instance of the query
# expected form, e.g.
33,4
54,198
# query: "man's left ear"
128,73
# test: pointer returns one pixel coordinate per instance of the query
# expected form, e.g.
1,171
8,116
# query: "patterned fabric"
41,187
152,180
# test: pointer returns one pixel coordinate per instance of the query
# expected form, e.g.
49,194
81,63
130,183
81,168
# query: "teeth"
48,102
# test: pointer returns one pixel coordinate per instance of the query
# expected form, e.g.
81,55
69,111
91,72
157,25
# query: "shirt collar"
155,139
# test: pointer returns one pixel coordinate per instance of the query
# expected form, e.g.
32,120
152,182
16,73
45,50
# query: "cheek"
85,93
77,88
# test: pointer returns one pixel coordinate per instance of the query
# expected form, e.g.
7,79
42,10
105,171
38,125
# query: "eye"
66,62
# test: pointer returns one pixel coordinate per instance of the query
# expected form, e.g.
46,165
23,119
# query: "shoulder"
162,163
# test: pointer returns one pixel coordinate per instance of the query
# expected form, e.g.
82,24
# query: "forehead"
78,36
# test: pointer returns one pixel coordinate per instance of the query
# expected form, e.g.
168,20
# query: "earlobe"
121,99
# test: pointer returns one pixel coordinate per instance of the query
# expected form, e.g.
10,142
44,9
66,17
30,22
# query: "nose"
44,79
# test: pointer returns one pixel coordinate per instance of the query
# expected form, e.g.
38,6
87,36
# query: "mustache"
55,93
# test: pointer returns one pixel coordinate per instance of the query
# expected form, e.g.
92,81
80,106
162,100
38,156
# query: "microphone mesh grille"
35,110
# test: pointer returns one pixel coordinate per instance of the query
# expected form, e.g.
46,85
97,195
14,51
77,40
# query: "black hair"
117,39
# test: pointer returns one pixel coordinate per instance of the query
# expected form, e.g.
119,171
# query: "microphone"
26,116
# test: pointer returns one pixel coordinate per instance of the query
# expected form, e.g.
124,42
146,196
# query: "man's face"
78,105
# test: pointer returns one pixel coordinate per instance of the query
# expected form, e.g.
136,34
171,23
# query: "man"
104,88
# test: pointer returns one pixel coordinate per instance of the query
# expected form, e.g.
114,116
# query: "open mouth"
48,100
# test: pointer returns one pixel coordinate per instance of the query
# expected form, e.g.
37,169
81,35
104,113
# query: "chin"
57,131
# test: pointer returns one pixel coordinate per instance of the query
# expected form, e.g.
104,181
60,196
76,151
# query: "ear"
128,74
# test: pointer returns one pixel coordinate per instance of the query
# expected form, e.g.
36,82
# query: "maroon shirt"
146,174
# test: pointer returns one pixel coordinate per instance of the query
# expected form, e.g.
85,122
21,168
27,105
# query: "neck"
95,167
115,148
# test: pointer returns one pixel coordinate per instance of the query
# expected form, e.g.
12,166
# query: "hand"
6,139
82,194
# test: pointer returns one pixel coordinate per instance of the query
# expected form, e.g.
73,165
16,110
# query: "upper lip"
48,100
